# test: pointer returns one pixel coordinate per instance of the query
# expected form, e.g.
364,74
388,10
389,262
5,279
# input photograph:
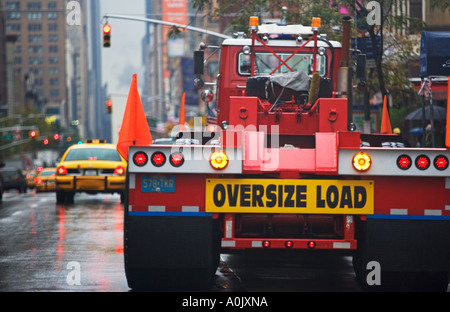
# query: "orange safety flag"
386,127
182,117
447,130
134,129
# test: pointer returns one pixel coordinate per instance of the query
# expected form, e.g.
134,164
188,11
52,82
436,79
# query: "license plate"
158,184
90,172
289,196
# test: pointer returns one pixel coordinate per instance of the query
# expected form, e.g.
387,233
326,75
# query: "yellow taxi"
45,180
30,177
91,167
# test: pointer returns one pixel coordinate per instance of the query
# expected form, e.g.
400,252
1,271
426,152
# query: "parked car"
13,178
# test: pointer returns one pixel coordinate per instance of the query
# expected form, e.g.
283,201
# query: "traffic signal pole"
155,21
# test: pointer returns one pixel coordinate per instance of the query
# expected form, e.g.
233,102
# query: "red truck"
285,169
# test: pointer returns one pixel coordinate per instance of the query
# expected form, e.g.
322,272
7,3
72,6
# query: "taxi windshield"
48,173
93,154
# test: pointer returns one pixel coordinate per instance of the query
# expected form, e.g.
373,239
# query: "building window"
54,81
53,49
34,27
53,71
52,5
34,38
11,16
34,16
54,92
35,60
18,60
12,5
53,60
36,71
52,27
36,5
13,27
53,38
34,49
52,15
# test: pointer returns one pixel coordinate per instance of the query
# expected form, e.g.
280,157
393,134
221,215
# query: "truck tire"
170,252
403,255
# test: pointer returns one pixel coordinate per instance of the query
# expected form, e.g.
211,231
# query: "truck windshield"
267,62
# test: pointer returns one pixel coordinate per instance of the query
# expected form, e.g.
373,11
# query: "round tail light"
422,162
440,162
176,159
158,159
404,162
140,159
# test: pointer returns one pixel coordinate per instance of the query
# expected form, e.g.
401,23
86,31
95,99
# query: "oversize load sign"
289,196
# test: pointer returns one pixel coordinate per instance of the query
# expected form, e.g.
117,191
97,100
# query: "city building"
39,58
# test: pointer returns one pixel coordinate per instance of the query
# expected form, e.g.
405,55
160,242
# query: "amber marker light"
316,22
362,161
254,21
218,160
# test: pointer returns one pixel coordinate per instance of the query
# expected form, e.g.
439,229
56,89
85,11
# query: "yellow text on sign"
289,196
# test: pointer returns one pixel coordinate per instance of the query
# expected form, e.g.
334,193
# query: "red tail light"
176,159
422,162
62,170
404,162
311,244
140,159
39,181
289,244
158,159
119,170
441,162
266,244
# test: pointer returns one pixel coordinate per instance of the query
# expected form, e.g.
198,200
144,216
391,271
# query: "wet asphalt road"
45,247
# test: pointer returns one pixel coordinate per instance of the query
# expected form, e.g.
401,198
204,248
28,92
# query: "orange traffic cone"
182,117
134,129
386,127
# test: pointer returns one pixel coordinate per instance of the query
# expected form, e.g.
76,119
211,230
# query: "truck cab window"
266,62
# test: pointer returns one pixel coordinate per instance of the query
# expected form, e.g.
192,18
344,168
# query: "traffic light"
33,134
109,106
106,36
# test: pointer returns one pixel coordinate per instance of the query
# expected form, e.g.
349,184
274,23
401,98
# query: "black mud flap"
170,252
403,255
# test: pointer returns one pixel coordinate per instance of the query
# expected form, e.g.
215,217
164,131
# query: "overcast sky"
124,57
